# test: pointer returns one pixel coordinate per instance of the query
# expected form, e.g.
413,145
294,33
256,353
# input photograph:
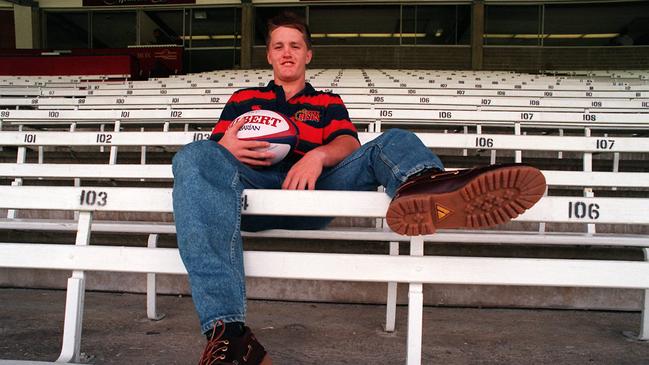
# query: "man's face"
288,54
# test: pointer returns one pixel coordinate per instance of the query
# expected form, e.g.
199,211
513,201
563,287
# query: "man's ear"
309,55
268,56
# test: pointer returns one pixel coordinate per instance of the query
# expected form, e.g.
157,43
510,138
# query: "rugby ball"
269,126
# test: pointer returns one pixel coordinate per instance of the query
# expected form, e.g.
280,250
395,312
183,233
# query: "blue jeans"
208,183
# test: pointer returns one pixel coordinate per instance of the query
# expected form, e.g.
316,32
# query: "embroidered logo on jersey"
306,115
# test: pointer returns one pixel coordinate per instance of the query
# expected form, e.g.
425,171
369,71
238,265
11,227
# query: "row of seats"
356,77
351,100
620,74
443,90
397,116
7,80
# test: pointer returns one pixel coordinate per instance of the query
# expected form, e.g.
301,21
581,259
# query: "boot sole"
491,198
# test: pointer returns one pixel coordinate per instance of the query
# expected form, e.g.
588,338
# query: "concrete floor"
116,331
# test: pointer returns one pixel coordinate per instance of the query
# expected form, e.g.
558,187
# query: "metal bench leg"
391,300
151,287
643,334
391,304
415,309
644,321
71,348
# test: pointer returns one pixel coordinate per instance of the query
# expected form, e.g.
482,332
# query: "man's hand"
244,151
304,174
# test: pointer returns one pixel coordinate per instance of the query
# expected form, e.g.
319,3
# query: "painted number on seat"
484,142
244,202
104,138
605,144
527,116
4,114
582,210
198,136
92,198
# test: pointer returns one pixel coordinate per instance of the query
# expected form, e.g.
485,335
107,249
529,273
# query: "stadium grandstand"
96,97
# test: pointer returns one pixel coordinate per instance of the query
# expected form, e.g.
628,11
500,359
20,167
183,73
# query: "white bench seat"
355,233
349,267
592,119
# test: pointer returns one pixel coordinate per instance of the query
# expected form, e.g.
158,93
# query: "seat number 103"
92,198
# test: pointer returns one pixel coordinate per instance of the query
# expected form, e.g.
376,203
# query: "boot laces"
216,348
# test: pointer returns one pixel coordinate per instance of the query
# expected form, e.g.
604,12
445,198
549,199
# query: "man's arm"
304,174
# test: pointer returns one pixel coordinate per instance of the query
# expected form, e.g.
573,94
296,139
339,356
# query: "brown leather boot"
242,350
471,198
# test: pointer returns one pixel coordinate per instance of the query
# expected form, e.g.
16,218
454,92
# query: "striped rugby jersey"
320,117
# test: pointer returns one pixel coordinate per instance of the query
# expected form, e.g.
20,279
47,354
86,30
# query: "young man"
209,177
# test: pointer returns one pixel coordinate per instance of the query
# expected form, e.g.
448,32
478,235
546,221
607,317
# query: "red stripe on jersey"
221,126
247,95
309,133
336,125
320,100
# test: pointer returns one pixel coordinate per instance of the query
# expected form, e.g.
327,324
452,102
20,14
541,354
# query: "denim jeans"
209,181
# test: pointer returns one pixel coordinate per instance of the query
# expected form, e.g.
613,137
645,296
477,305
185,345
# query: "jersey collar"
308,89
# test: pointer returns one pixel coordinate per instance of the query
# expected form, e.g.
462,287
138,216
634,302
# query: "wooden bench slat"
353,234
307,203
431,140
351,267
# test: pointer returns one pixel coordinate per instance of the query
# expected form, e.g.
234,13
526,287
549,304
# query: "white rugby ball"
269,126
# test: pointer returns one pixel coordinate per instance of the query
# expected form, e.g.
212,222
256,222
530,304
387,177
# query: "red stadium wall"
67,65
139,62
